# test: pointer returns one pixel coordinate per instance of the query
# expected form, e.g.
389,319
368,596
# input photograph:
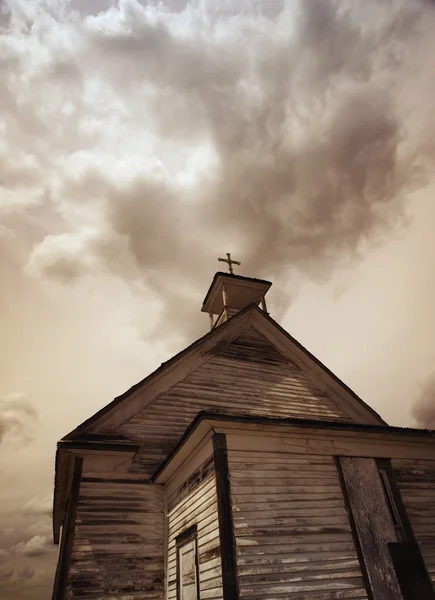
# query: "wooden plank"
294,441
193,503
293,535
113,558
373,524
226,528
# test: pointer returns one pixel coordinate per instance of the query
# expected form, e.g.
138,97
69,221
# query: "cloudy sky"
139,142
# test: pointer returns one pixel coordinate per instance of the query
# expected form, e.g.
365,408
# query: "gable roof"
185,362
247,376
105,425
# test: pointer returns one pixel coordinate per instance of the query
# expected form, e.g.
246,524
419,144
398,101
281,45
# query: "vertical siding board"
248,376
290,543
416,482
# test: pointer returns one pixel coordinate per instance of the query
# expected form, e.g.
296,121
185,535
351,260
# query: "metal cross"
230,262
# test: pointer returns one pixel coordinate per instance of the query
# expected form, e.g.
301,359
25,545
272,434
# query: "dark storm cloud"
305,139
6,574
291,140
424,409
146,143
26,573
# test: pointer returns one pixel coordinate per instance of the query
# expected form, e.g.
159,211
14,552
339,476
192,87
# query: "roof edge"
324,368
309,423
66,449
137,386
80,444
288,421
233,277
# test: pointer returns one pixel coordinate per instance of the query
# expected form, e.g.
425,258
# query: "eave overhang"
66,451
242,291
206,422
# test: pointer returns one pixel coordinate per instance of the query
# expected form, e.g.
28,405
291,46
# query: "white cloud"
35,546
39,506
17,415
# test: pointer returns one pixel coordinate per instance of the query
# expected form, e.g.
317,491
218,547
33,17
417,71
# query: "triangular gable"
250,333
248,376
108,418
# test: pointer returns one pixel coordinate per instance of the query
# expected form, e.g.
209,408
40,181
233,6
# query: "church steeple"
229,293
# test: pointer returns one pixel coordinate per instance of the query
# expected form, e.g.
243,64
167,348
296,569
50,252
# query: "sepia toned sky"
142,140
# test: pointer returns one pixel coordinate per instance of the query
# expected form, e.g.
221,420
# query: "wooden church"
243,468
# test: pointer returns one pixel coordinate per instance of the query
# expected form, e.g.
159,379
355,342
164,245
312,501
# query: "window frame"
394,501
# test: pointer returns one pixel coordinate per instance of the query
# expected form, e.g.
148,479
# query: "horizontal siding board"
248,376
294,560
196,507
118,550
337,566
351,594
292,530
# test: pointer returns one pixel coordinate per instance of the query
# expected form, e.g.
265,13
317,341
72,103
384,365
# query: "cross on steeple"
230,262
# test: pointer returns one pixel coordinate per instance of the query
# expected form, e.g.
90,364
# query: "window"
187,565
383,468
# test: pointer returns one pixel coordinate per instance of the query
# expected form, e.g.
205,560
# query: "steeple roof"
240,292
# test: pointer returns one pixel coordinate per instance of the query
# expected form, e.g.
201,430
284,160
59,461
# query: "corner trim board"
225,515
67,541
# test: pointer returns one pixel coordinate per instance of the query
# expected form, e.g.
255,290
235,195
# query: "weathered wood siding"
293,535
416,481
191,500
373,524
118,550
249,376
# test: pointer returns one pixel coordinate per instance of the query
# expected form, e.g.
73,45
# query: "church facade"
243,468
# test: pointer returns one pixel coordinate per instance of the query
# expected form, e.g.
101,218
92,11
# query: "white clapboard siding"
118,550
416,480
249,376
196,505
292,531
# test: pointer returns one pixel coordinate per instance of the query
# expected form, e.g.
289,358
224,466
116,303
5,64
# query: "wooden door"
188,584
